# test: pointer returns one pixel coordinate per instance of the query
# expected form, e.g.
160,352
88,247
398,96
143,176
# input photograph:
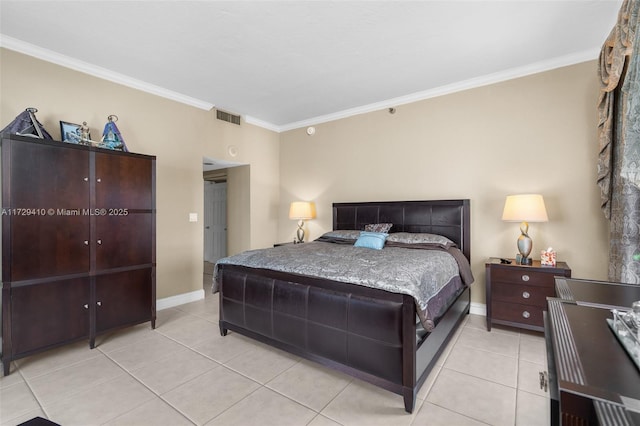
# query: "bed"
381,333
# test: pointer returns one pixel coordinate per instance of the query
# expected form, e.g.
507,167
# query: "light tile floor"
185,373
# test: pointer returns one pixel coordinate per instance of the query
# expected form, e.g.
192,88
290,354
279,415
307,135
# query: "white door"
215,221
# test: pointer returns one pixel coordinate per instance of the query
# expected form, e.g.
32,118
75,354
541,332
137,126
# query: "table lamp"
524,208
301,211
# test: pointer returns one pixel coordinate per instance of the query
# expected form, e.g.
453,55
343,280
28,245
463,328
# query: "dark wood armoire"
78,243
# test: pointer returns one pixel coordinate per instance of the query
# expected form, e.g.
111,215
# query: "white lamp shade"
524,208
302,210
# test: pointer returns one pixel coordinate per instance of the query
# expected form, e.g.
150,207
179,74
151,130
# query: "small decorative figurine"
111,137
26,124
85,135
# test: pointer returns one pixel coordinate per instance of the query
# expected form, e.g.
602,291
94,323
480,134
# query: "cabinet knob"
525,277
99,303
86,179
526,314
544,380
526,294
99,242
98,180
86,306
86,242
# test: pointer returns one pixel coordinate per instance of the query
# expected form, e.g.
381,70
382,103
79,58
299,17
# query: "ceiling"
289,64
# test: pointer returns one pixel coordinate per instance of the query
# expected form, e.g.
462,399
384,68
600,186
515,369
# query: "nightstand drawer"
523,276
523,294
516,313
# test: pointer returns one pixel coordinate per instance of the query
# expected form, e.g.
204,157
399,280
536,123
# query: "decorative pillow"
378,227
342,234
372,240
418,238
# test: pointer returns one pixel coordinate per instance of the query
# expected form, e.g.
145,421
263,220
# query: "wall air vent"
225,116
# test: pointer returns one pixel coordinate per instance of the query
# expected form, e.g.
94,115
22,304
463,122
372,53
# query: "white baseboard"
180,299
478,309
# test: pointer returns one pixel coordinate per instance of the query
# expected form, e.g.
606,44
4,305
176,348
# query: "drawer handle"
86,306
526,314
86,179
544,380
526,294
525,277
99,303
86,242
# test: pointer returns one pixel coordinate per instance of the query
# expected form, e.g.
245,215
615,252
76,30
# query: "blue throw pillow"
372,240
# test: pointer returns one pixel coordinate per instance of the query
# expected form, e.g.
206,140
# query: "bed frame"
364,332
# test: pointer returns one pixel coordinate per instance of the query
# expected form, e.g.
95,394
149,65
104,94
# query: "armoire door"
48,314
49,191
123,181
123,240
123,298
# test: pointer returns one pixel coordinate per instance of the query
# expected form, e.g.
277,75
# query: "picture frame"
70,132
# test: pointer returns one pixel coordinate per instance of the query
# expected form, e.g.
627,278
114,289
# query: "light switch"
193,217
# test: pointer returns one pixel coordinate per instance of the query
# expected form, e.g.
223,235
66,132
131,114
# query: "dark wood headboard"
451,218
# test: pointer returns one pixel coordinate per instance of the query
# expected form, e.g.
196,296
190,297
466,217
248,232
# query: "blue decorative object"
111,137
26,124
372,240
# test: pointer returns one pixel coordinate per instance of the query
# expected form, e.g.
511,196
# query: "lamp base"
300,232
524,245
525,261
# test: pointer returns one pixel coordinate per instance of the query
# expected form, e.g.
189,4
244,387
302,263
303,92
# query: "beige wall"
532,134
178,135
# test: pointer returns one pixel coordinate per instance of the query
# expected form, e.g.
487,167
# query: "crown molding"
260,123
513,73
473,83
84,67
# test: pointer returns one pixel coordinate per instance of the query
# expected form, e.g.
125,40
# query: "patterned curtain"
619,138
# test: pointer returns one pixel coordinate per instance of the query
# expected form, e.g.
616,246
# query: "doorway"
215,221
222,187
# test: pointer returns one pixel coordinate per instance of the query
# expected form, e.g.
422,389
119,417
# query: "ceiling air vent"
225,116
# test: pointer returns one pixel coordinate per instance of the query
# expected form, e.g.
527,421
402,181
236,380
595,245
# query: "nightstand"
517,294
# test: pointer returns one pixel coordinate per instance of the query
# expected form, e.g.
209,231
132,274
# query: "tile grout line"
156,395
73,364
260,385
455,412
517,358
55,368
237,402
351,380
515,414
488,351
26,382
333,399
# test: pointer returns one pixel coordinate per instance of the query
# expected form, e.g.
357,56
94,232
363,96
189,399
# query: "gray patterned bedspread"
420,273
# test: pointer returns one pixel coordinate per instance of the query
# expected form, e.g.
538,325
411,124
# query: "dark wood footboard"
364,332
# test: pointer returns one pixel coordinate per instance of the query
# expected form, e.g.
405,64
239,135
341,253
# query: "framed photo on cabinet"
70,132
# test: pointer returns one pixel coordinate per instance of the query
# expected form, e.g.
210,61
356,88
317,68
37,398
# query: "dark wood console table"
602,294
592,379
